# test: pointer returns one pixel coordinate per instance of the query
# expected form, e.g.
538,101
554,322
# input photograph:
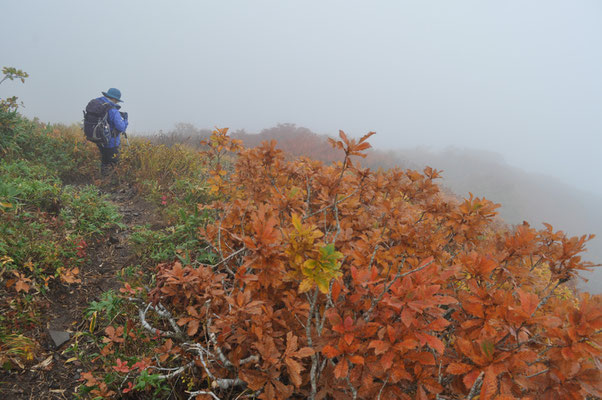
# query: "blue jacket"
116,122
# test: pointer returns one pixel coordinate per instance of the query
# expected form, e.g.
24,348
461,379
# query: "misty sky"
522,78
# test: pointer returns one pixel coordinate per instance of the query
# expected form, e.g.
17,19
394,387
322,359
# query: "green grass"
46,226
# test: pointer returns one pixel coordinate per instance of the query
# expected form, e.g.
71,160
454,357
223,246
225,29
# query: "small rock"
59,337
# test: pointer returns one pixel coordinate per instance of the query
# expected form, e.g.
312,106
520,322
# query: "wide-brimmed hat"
114,94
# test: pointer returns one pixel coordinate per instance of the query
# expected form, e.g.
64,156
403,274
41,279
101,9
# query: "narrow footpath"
54,377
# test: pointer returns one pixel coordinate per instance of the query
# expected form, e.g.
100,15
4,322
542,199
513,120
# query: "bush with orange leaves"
337,282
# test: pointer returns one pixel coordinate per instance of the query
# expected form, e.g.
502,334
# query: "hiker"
103,125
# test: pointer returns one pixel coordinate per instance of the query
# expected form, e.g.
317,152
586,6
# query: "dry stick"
353,389
148,327
177,372
164,312
373,256
387,287
336,216
218,349
329,304
192,395
330,205
314,357
308,201
545,299
229,257
539,373
222,383
382,388
476,386
219,237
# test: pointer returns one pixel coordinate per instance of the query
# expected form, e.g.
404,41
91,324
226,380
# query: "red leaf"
122,366
336,290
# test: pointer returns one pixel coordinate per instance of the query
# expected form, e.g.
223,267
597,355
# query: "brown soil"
54,378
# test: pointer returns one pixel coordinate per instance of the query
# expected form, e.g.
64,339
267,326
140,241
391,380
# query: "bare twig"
148,327
222,383
383,387
336,216
476,386
373,256
193,395
539,373
314,358
177,372
398,275
330,205
237,252
351,387
164,312
218,350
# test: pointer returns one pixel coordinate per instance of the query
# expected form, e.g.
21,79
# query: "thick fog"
518,79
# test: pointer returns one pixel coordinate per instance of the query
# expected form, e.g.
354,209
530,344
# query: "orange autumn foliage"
337,282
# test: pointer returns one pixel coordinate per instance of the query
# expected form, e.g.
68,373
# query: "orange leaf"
435,343
475,309
357,360
336,290
304,352
423,357
21,285
421,394
379,346
341,369
489,387
294,370
193,327
458,368
529,301
470,379
330,351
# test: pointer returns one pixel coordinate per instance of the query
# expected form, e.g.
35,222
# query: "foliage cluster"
159,170
10,104
340,282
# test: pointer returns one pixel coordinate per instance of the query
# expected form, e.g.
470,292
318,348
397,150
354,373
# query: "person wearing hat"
118,123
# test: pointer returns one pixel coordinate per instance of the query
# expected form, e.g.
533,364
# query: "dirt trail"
55,379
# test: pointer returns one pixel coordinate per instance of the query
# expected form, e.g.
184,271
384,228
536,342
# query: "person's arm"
117,121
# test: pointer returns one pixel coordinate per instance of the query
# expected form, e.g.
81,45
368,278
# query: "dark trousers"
109,156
